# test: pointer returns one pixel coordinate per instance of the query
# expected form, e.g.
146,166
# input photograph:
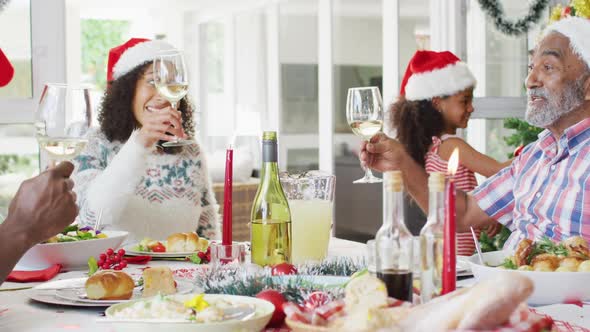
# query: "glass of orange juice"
311,201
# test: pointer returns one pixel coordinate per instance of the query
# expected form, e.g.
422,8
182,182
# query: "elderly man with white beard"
546,189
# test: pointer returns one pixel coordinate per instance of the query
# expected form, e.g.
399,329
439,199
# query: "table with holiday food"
17,309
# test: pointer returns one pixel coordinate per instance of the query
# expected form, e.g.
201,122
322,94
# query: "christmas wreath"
494,9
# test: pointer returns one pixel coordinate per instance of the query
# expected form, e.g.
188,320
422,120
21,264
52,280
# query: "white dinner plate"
257,322
79,294
69,292
131,250
463,268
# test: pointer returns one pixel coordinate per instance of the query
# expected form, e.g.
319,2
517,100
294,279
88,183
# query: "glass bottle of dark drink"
394,243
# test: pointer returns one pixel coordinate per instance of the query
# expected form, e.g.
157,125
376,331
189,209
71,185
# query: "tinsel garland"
494,9
248,280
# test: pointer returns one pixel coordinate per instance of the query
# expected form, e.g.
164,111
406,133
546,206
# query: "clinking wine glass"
62,119
365,116
171,80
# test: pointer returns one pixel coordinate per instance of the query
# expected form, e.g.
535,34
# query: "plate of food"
192,312
463,269
71,248
178,245
108,287
560,271
491,305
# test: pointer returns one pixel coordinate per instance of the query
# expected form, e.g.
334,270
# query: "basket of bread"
559,271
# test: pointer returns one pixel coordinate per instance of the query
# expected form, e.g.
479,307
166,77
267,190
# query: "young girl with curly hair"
435,100
125,174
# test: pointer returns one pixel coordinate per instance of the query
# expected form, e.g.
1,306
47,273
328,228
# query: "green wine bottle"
270,235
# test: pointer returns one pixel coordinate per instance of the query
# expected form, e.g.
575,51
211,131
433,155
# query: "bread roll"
486,305
158,280
571,263
109,285
185,242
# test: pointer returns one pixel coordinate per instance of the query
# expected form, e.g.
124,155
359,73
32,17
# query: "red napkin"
138,259
32,276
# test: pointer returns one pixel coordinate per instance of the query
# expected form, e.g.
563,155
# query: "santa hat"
136,51
433,74
6,70
577,29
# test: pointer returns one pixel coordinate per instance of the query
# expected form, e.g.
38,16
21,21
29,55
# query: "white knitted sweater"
144,191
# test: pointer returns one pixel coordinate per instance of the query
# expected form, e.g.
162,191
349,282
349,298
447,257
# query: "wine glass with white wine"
365,116
171,80
62,119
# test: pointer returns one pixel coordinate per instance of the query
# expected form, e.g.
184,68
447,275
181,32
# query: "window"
15,33
19,160
97,37
298,57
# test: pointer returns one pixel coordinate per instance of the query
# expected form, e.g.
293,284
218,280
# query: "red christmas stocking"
6,70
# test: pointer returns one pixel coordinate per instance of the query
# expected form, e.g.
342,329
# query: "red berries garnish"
204,257
112,260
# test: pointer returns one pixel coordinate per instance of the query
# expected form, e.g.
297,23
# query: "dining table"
19,313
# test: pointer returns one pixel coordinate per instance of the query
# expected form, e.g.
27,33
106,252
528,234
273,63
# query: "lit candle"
227,198
449,253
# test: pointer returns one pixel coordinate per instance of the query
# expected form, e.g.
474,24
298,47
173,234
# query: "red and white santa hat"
134,52
577,29
435,74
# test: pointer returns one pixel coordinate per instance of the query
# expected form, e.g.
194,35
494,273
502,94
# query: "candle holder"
222,254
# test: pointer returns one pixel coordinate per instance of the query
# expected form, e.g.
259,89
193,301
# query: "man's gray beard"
556,106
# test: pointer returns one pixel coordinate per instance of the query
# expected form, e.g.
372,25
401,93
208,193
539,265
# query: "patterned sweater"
143,191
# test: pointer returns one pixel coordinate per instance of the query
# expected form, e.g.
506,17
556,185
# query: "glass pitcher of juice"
311,201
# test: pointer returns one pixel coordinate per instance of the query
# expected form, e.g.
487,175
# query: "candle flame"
453,162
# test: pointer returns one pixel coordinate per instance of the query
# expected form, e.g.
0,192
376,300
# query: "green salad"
74,233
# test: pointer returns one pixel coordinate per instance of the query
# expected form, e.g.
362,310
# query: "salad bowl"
550,287
71,255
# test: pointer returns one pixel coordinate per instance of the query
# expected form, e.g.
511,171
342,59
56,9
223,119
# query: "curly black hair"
416,122
115,114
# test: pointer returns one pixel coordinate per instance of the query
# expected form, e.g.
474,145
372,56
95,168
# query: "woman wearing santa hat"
435,100
124,174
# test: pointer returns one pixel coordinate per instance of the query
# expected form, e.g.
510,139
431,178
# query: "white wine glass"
62,120
171,80
364,113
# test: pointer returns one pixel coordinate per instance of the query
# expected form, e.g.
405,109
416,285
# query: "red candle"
227,198
449,251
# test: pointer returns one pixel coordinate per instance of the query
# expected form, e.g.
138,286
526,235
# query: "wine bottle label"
269,151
